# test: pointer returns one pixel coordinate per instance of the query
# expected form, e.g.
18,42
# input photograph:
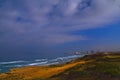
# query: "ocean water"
6,66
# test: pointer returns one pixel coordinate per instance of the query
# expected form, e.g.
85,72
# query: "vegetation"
100,66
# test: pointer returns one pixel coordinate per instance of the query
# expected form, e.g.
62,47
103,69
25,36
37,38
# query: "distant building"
77,52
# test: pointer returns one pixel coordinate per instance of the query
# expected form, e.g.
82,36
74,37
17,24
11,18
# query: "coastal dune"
99,66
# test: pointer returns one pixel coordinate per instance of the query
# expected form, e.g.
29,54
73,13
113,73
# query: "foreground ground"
100,66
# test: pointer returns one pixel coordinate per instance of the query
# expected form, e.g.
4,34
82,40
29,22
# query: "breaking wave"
5,66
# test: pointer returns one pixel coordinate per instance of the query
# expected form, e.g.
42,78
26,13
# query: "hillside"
101,66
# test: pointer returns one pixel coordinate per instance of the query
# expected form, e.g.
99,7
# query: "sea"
6,66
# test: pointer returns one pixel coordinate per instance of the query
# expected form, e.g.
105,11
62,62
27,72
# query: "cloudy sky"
49,28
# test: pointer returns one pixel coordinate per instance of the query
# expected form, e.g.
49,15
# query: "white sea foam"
52,63
12,62
14,66
65,58
39,63
53,60
40,60
68,57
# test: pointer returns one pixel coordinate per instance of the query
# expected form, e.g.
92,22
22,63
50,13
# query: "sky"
51,28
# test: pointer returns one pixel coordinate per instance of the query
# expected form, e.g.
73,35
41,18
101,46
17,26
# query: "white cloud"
52,21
